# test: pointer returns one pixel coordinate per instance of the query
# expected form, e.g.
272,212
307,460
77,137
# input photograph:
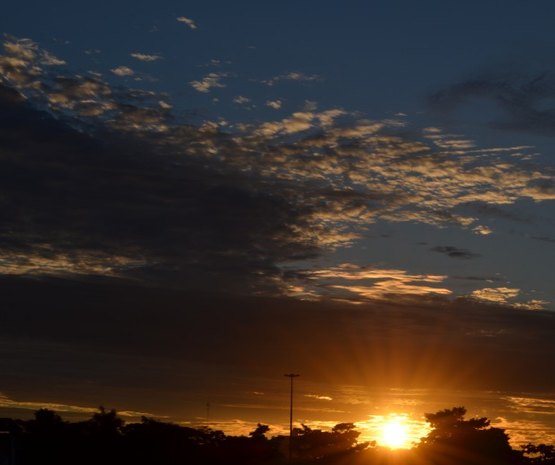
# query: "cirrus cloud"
145,56
188,22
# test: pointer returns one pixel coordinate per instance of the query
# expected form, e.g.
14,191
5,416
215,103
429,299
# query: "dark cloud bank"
103,335
77,200
454,252
523,98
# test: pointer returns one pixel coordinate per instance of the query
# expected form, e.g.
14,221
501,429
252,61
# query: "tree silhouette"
46,420
47,438
157,442
456,441
105,439
259,432
540,454
106,422
311,443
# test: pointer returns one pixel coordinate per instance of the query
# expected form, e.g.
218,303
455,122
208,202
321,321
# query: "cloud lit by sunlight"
330,173
8,403
373,283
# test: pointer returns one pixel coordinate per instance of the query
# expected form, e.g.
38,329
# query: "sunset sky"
197,197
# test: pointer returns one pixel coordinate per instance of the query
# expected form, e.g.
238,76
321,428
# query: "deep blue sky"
376,57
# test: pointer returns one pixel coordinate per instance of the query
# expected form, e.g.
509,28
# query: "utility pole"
291,376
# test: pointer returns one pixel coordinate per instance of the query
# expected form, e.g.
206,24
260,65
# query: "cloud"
24,62
505,296
187,21
372,283
298,122
525,431
87,96
544,239
241,100
122,71
210,81
498,211
482,230
286,190
489,279
292,76
455,252
47,262
541,189
51,60
28,50
8,403
25,49
499,295
111,230
318,397
534,304
521,98
91,330
391,289
145,56
275,104
532,405
487,333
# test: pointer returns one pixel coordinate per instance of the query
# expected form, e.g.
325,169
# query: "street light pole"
291,376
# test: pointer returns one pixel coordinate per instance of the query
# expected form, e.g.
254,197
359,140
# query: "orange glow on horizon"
394,431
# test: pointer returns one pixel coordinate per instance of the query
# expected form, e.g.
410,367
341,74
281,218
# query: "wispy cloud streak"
188,22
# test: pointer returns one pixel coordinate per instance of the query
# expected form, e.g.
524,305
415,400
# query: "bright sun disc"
394,433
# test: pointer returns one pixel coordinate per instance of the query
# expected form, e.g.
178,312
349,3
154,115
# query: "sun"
394,433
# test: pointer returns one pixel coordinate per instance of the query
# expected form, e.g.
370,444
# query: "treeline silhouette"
106,439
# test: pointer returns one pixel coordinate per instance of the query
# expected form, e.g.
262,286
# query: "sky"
197,197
